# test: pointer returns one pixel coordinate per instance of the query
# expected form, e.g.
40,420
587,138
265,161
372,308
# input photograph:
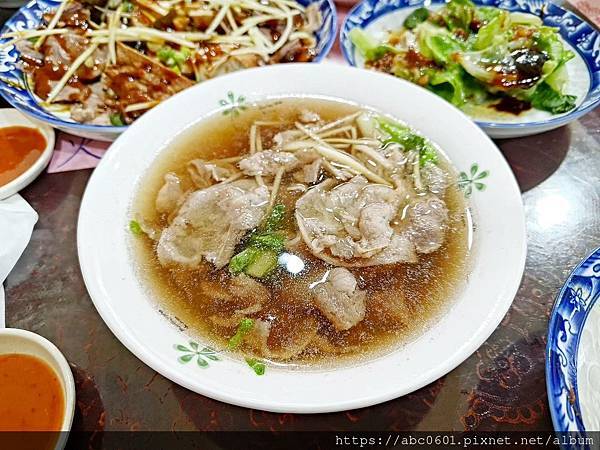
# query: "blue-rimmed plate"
14,88
379,16
573,352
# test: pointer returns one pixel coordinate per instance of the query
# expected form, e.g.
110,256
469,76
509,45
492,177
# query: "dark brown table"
500,387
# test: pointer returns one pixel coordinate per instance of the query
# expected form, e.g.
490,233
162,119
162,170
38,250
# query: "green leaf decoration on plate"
466,182
235,104
202,355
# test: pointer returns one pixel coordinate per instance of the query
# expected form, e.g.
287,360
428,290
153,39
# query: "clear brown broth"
418,292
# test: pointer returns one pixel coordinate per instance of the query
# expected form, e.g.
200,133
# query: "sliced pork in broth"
303,230
211,222
352,223
339,299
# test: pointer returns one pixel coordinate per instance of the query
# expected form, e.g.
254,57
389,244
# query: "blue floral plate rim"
562,344
16,92
367,11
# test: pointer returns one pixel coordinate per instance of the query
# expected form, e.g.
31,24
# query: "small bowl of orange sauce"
37,392
25,150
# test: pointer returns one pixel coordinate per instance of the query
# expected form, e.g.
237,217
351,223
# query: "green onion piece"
257,365
259,258
173,58
135,227
167,56
275,218
427,154
416,17
263,264
127,7
117,120
268,241
185,52
239,262
243,328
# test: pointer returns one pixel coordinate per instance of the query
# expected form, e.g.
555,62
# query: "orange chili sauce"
31,394
20,147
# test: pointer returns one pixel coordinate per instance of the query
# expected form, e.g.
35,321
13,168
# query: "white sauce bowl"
10,117
13,340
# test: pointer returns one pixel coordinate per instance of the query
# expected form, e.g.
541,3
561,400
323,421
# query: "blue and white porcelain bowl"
15,90
378,16
573,353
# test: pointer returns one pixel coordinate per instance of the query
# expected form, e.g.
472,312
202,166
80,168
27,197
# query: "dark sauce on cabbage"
511,105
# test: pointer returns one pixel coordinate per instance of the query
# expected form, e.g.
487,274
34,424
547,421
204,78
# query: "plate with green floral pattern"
170,345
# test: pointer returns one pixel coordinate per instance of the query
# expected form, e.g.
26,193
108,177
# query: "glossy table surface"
500,387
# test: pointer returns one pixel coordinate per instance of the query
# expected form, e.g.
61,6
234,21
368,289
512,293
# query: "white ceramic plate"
10,117
497,259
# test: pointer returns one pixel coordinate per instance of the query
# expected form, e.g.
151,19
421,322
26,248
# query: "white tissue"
17,219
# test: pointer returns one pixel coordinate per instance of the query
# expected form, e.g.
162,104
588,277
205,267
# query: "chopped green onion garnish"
275,218
135,227
243,328
269,241
173,58
259,258
263,264
243,259
257,365
117,120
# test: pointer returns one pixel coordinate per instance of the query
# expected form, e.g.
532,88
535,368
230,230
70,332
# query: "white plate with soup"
302,238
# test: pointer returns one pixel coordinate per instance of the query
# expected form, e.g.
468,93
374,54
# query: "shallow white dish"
11,117
13,340
160,341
